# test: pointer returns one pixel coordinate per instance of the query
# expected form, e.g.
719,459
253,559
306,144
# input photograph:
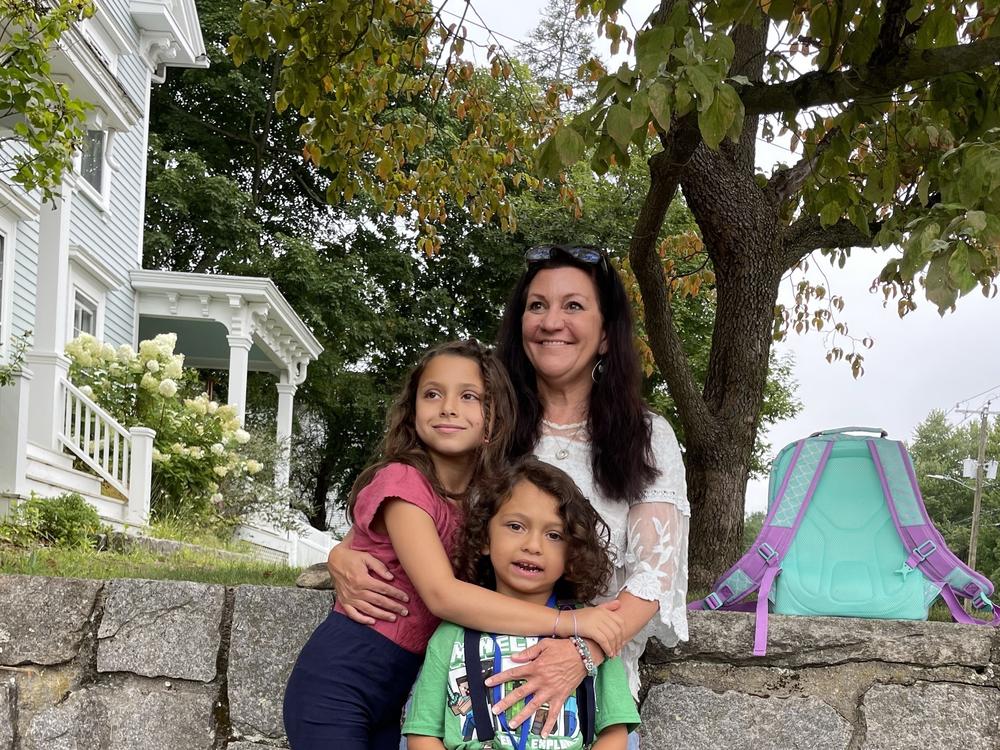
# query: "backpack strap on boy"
586,697
477,687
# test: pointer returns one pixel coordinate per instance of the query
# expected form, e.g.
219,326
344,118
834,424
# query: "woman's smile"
562,326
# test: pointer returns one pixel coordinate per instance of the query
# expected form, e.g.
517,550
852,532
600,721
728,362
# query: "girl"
535,538
449,426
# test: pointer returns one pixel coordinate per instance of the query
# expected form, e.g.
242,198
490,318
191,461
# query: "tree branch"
891,33
817,88
786,182
664,341
807,234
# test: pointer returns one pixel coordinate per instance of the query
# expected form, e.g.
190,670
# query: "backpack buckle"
925,550
713,601
767,552
981,601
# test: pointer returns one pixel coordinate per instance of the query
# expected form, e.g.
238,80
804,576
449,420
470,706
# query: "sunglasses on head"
589,254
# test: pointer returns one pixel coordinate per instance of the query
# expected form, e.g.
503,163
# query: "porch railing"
121,457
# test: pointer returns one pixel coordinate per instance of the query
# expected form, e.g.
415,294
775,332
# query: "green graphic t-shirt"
442,707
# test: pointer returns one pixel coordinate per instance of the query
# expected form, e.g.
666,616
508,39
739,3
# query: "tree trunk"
317,510
740,228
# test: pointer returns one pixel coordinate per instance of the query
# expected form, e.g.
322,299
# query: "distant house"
76,267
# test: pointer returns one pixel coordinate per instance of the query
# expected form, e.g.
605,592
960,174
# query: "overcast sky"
920,363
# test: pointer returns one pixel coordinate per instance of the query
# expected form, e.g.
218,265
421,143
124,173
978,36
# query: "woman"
567,342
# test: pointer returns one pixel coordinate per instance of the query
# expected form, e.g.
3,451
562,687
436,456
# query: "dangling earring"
598,372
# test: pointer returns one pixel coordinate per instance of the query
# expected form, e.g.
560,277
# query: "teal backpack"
847,534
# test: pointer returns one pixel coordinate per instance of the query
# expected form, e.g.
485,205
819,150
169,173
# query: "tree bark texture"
742,232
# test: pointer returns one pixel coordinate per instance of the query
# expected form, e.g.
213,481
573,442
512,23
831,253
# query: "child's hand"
601,624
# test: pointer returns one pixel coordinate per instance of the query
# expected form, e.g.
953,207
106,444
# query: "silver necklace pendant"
562,454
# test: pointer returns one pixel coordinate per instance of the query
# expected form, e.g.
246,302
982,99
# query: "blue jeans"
347,689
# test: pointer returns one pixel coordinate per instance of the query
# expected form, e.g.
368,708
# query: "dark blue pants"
347,689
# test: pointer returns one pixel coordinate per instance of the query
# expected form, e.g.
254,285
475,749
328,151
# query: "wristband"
584,650
555,627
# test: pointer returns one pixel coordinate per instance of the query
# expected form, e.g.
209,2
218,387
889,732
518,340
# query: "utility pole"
977,500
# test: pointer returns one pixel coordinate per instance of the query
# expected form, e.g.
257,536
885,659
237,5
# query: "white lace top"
649,538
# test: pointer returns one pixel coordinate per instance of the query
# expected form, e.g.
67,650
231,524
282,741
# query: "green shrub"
199,444
64,521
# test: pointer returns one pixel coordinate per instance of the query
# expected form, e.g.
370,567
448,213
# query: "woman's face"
562,327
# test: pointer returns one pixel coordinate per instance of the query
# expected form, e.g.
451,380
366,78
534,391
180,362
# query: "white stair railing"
121,457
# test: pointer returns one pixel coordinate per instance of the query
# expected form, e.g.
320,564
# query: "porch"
236,324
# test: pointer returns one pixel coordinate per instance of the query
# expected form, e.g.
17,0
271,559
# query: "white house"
75,266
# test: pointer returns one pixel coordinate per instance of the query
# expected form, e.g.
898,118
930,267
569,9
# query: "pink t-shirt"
399,481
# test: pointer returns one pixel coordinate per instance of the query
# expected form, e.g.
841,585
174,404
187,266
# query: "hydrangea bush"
202,470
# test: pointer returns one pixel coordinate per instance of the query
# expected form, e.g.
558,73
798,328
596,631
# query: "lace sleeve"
657,543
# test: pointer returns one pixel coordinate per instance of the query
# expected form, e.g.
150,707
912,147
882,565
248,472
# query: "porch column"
283,435
14,435
239,359
52,314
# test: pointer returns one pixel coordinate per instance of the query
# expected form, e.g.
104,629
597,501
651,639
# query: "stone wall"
157,665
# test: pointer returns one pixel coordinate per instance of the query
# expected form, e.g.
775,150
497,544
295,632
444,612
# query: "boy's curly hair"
588,565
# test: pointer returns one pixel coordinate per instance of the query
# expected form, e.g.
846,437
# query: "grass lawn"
187,565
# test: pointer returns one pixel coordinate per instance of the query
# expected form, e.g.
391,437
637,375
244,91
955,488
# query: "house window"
84,315
92,159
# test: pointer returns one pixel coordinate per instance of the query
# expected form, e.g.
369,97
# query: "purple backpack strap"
928,551
761,564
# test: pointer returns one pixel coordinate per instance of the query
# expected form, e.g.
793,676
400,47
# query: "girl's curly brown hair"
401,443
588,565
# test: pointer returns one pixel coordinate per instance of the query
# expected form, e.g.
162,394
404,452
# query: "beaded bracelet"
584,650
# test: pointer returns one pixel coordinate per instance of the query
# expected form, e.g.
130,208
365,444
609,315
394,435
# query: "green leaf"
652,49
682,98
959,269
721,47
715,121
938,290
619,125
830,214
639,110
923,188
569,145
549,163
976,220
702,79
659,104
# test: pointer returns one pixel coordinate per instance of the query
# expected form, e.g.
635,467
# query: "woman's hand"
601,624
364,597
552,673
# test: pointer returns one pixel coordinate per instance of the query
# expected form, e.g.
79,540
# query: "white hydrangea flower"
168,388
87,391
125,353
108,352
213,406
153,366
218,449
253,467
216,499
241,436
175,367
221,470
197,453
149,382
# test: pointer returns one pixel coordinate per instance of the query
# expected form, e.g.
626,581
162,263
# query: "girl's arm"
417,545
360,582
614,737
420,742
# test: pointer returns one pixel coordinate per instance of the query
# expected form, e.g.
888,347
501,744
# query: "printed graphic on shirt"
565,735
